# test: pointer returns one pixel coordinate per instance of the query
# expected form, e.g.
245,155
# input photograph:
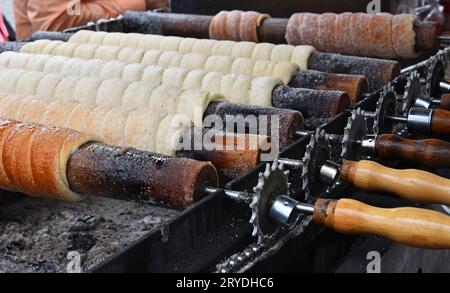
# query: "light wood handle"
410,226
414,185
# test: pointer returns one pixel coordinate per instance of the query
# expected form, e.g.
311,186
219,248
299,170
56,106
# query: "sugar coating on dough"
110,92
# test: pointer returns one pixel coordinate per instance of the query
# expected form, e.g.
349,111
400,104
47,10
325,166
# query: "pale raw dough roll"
224,48
66,87
263,51
137,95
169,132
107,53
9,80
186,45
222,64
33,159
261,91
28,83
113,92
142,129
167,44
174,76
238,90
208,47
110,92
225,64
194,80
85,89
114,125
48,84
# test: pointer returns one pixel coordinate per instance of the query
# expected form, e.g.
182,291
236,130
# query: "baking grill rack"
220,226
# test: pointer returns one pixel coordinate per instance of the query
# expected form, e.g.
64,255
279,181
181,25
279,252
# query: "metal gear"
272,183
435,74
316,154
386,106
412,92
355,131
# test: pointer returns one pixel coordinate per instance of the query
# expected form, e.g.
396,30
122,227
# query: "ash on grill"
37,235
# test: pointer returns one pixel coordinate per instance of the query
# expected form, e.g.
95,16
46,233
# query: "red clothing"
56,15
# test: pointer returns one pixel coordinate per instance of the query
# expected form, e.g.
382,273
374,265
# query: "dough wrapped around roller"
141,129
298,54
110,92
33,159
236,25
373,35
278,68
241,91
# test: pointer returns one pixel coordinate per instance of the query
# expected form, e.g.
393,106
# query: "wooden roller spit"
140,129
130,95
286,71
58,163
110,171
288,121
271,30
299,55
328,105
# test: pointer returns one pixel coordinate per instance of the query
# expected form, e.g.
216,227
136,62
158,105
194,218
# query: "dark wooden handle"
410,226
441,124
431,153
445,102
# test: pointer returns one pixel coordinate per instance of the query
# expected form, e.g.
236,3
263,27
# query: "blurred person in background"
56,15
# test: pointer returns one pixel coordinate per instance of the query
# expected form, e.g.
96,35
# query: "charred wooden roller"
104,170
287,122
271,30
62,164
244,88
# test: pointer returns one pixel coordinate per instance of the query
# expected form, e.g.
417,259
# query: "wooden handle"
414,185
441,123
410,226
445,102
432,153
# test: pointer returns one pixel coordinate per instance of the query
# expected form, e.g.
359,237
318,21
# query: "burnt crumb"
82,241
16,245
86,223
44,267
